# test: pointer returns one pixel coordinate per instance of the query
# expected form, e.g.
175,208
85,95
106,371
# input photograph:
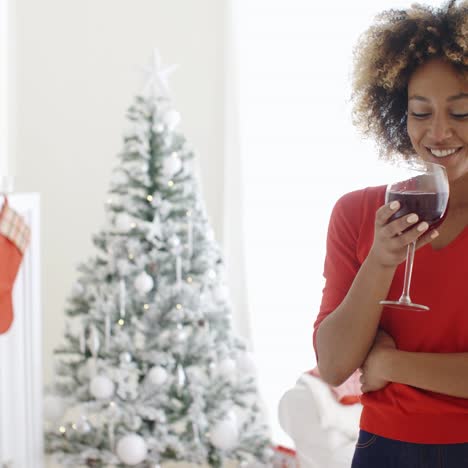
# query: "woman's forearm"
442,373
346,335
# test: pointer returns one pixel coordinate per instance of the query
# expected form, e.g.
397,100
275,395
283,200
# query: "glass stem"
405,297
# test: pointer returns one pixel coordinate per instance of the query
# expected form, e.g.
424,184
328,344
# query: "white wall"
7,91
77,69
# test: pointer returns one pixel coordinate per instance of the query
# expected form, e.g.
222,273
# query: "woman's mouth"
443,153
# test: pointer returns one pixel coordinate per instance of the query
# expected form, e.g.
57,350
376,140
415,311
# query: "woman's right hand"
374,367
391,239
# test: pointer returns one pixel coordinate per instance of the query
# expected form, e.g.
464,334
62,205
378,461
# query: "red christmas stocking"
14,238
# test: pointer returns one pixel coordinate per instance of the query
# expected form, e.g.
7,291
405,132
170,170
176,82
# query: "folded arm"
441,373
445,373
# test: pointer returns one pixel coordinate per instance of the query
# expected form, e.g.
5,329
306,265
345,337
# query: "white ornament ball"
123,222
225,433
143,283
132,449
227,367
172,165
101,387
157,375
54,408
172,119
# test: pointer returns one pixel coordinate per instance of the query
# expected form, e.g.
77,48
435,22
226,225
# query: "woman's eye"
420,115
460,116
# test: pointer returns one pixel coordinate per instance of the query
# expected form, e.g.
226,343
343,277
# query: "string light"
121,322
133,225
146,307
171,183
179,307
189,279
130,256
189,213
149,198
62,429
74,426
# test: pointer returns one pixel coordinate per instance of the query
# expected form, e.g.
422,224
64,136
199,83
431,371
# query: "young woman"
411,93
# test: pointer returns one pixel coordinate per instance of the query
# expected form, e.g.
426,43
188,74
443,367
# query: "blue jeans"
373,451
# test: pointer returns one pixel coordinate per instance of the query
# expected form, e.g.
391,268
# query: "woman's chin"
457,174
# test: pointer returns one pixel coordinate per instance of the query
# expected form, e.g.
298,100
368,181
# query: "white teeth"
442,153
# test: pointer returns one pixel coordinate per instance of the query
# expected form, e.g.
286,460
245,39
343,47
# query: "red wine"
430,207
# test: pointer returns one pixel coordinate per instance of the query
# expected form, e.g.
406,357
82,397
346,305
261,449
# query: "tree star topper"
157,77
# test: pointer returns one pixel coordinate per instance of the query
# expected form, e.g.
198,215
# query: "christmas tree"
150,369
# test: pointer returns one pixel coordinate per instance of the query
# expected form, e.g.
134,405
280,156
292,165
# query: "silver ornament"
125,357
83,425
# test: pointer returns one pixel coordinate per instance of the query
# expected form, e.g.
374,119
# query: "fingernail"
434,234
394,205
422,227
412,218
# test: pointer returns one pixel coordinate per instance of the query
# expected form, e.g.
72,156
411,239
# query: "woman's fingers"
385,212
400,225
426,239
410,236
391,238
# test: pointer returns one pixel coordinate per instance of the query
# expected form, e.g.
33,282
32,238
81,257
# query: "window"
300,153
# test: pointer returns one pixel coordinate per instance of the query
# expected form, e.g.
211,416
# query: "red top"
440,280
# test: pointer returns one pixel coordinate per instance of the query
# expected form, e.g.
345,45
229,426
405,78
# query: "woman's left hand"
372,377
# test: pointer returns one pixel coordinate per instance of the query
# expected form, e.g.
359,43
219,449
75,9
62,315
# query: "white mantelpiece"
21,443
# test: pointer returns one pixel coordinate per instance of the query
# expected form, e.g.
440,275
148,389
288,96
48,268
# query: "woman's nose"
440,129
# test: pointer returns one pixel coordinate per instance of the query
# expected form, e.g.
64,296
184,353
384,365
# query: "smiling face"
438,116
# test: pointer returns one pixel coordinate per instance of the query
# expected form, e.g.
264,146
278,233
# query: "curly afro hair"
389,52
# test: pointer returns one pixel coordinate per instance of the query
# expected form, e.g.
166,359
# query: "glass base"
404,305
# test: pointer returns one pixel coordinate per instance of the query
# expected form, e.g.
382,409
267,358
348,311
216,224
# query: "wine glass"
422,188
